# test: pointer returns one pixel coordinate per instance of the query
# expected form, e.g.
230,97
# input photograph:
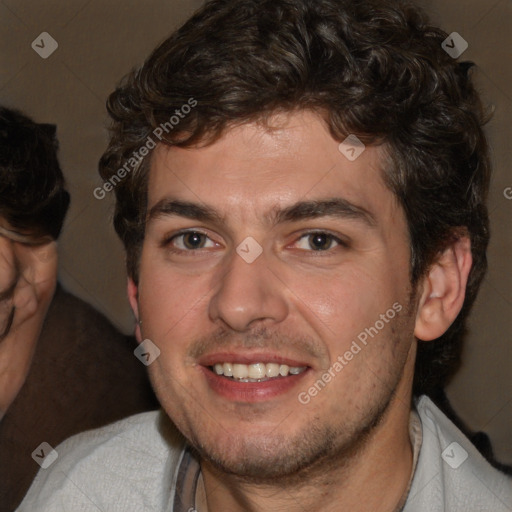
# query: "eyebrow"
335,207
183,209
303,210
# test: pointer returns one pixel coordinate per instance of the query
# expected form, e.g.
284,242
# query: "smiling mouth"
257,372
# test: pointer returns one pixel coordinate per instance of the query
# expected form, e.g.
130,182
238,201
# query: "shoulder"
82,357
127,465
451,474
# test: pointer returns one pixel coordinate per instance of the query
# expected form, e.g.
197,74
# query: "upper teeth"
256,371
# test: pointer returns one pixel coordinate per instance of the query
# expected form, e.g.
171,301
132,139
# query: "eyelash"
167,242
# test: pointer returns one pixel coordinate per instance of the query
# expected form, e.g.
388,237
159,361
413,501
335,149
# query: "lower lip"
251,391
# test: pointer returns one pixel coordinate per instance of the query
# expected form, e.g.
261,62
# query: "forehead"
252,170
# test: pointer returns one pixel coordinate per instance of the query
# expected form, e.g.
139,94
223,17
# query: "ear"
133,297
444,290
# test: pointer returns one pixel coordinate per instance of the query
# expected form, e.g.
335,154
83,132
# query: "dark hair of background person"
34,202
371,68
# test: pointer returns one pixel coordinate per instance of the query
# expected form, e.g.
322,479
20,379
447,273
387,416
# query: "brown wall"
99,41
482,390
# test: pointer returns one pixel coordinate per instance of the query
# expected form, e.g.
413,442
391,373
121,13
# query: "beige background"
99,41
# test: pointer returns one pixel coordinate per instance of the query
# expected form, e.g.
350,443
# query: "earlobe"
443,290
133,298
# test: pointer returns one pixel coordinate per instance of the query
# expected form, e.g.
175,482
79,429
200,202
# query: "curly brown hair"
371,68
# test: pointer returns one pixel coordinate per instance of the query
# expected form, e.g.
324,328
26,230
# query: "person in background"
63,367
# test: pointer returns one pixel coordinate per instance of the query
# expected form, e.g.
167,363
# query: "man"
301,193
63,367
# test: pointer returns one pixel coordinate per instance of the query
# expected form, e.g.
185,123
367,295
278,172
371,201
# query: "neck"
373,477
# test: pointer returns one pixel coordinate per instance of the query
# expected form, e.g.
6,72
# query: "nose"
248,294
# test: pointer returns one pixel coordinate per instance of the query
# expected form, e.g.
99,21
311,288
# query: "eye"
191,240
318,241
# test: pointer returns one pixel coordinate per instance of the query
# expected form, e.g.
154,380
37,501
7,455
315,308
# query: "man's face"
28,275
334,266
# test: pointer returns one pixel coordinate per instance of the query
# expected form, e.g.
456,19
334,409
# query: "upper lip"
249,358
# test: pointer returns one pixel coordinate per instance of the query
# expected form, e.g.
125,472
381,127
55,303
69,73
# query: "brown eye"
191,241
320,241
194,240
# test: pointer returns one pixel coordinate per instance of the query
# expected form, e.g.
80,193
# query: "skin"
28,276
350,444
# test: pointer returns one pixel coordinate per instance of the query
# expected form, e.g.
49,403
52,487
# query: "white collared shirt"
142,464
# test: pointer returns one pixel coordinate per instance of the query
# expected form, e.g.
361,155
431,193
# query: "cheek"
49,283
342,298
346,304
170,304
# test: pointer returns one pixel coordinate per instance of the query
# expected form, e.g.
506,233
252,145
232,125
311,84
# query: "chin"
270,456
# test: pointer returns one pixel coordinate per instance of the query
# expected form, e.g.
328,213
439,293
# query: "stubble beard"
306,457
324,445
